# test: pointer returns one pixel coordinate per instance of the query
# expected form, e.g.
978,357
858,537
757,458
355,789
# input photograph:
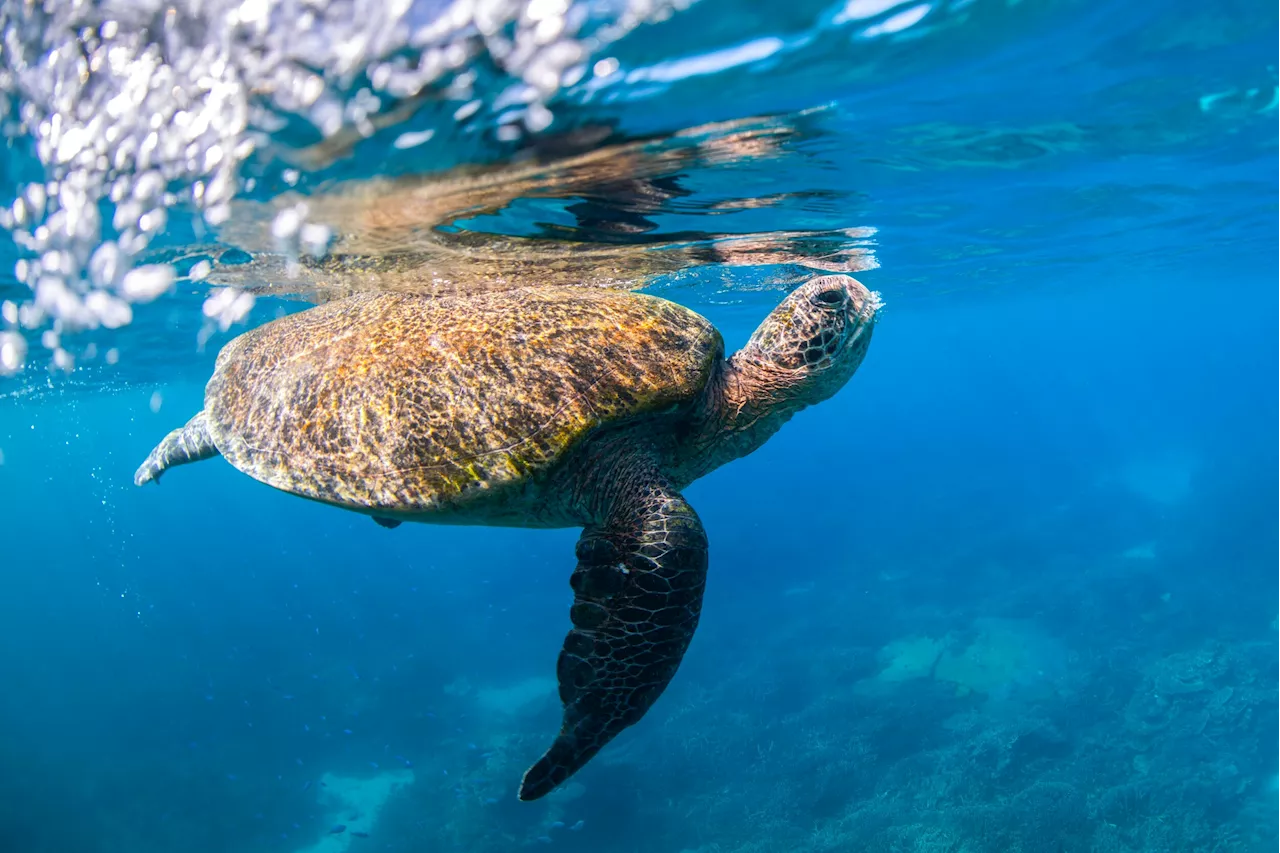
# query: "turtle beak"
864,306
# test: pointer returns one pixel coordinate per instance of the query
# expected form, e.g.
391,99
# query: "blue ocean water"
1013,589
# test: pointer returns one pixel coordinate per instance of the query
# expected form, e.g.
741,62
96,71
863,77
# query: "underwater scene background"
1013,589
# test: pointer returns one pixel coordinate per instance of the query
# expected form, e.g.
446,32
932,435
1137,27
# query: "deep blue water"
1013,589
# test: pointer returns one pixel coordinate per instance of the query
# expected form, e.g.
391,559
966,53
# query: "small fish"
359,833
306,785
489,801
346,731
559,824
577,826
337,829
373,764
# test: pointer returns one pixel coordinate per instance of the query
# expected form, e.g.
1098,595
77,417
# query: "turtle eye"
828,298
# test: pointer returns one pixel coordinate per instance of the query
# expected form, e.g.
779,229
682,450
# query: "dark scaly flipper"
637,596
191,443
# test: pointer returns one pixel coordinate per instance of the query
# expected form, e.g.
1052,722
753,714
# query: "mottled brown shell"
410,404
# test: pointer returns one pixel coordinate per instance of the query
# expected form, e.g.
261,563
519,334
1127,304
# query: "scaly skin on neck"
745,403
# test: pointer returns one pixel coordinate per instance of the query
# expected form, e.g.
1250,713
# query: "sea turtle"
535,407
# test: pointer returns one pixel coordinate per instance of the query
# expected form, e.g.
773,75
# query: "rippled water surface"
1013,589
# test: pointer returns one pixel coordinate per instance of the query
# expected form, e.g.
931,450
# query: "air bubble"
286,223
146,283
466,111
413,140
227,306
315,238
111,312
13,353
537,118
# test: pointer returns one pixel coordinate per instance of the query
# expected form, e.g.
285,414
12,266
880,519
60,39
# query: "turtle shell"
408,404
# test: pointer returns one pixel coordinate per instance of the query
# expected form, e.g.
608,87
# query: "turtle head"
803,353
810,346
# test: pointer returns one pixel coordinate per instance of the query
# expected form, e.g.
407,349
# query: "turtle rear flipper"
190,443
637,597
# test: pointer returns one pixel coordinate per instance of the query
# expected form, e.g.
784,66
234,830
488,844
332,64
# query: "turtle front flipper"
637,596
190,443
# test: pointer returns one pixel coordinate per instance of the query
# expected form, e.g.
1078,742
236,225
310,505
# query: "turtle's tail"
191,443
